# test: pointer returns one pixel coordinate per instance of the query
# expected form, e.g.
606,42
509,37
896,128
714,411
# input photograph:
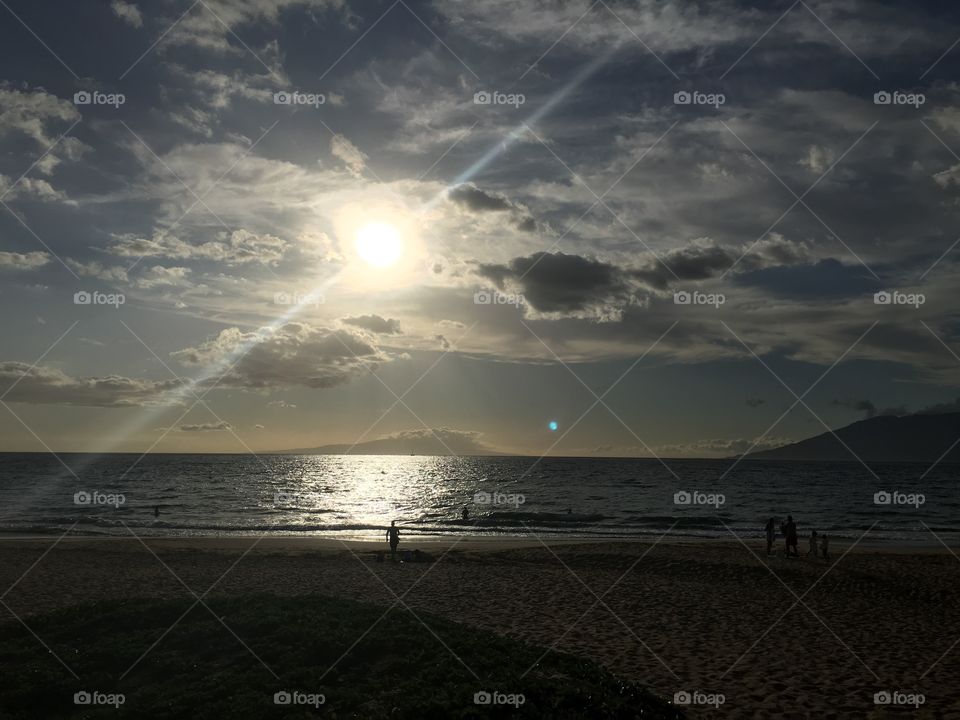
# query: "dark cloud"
755,402
374,323
477,200
556,282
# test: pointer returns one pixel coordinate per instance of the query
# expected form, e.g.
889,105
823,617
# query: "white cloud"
48,386
159,276
295,354
23,261
128,12
351,156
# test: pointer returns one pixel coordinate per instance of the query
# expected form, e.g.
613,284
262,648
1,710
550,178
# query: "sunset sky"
288,270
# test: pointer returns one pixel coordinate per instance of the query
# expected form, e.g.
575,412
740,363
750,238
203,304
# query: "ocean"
357,496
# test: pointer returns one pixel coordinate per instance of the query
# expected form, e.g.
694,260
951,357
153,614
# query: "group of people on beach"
791,540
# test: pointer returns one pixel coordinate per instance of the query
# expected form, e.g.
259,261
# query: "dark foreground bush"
401,668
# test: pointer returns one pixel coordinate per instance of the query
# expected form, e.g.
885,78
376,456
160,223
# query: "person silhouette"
825,546
813,544
393,536
771,528
789,530
466,513
156,511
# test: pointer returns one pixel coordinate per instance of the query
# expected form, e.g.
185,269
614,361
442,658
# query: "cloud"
374,323
349,154
469,196
473,198
239,248
817,159
294,354
755,402
128,12
98,270
38,116
280,404
23,261
37,189
48,386
159,276
559,283
206,427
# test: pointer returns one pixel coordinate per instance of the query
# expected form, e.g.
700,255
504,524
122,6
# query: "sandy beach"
785,638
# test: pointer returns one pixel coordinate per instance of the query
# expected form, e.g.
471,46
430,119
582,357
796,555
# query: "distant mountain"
910,438
441,441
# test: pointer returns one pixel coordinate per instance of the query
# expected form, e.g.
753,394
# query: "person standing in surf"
393,537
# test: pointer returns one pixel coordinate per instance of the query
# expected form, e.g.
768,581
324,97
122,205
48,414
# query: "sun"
379,244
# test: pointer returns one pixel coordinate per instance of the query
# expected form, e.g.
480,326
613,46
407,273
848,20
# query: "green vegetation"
199,670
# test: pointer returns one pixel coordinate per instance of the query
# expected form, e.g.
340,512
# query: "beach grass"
401,668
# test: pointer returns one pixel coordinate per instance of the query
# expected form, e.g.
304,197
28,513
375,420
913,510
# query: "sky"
571,228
